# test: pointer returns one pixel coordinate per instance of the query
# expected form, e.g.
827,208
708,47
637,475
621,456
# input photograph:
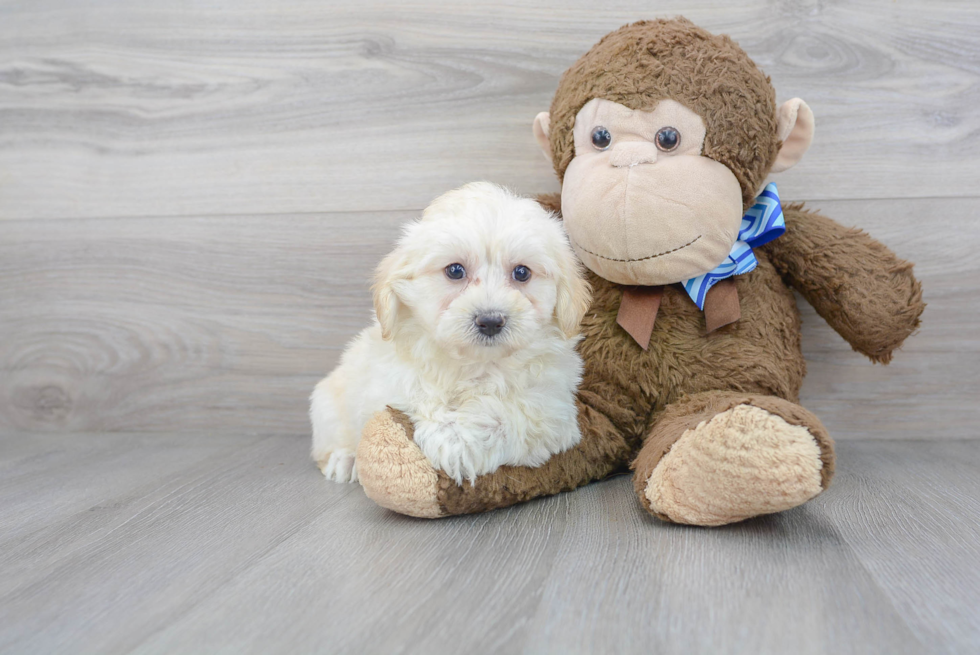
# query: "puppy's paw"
449,449
339,466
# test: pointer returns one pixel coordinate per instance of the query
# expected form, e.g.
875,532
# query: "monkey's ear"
542,130
795,124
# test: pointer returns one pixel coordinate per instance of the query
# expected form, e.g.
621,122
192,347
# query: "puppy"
478,311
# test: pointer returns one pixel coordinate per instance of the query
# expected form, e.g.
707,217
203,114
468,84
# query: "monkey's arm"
395,474
866,293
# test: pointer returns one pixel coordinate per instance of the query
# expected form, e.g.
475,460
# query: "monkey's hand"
866,293
396,474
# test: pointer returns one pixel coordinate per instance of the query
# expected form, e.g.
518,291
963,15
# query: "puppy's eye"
668,138
522,273
455,272
601,138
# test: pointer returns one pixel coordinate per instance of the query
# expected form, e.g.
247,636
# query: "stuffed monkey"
663,136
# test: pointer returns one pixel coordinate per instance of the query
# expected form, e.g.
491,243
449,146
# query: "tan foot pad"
394,472
741,463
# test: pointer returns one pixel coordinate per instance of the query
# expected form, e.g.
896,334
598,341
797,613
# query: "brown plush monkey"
663,135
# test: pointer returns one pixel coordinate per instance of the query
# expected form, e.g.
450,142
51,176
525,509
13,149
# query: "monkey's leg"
719,457
396,475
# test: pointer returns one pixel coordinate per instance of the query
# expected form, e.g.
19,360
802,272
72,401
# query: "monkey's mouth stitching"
641,259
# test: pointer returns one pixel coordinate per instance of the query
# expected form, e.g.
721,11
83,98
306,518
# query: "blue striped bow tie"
762,223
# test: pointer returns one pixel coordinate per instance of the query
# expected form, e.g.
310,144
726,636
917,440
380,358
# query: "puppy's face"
482,273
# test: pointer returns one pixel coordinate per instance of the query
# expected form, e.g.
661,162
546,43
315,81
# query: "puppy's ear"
386,300
574,294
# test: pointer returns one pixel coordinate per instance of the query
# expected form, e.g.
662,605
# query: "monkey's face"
641,204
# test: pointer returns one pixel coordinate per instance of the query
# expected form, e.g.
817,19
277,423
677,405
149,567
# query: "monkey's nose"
490,324
632,153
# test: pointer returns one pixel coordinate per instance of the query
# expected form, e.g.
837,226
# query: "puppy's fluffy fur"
478,399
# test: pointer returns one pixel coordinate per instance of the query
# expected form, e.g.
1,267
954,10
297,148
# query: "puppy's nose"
490,324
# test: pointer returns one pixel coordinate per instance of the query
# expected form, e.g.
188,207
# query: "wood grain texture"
224,324
162,324
192,198
893,506
245,548
140,108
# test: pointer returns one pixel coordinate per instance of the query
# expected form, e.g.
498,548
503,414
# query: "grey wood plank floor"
192,197
178,543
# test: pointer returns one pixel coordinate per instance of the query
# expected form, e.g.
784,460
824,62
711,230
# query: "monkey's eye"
601,138
455,271
668,139
522,273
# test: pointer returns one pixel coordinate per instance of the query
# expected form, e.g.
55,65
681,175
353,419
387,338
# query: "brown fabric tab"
638,312
721,305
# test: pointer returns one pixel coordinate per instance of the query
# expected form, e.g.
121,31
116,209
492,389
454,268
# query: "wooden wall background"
193,193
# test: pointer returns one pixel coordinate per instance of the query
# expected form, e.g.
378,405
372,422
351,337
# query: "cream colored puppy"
478,311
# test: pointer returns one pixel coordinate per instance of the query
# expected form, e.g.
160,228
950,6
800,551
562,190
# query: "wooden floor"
192,198
172,544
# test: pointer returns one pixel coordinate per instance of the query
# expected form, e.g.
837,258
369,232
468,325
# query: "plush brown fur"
640,64
635,404
624,388
866,293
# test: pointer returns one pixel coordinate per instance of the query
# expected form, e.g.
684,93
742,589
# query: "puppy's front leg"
334,442
456,444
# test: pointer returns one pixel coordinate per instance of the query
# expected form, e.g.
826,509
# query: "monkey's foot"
721,457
